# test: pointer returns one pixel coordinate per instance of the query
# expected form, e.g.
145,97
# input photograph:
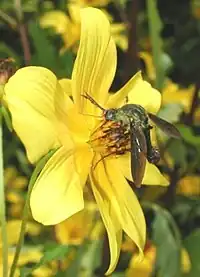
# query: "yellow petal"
106,202
117,201
129,210
95,64
185,261
172,93
143,268
152,174
30,255
15,224
74,12
83,156
150,69
139,92
76,228
66,85
55,19
30,98
57,193
71,124
189,186
118,99
143,94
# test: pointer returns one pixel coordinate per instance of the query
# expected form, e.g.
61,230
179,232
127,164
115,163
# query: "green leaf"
57,253
92,258
178,152
66,64
166,237
45,53
186,210
30,6
76,265
188,135
192,243
171,112
7,117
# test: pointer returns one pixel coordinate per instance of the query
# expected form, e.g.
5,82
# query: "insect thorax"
132,113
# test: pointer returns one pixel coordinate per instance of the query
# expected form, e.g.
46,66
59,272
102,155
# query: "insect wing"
165,126
138,154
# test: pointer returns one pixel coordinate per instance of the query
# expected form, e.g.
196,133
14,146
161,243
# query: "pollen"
110,138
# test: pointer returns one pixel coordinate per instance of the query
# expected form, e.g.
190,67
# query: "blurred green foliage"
173,220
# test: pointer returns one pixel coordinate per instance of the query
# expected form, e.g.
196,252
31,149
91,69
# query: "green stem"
132,60
18,9
154,30
20,242
3,209
11,21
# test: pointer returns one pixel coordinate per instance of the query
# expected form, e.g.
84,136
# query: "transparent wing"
165,126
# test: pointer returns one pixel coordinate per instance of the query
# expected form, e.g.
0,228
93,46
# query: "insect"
7,69
135,119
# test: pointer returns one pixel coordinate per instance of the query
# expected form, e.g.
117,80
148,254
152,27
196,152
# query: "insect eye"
110,114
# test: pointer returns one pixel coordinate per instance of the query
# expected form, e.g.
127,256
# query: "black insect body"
135,119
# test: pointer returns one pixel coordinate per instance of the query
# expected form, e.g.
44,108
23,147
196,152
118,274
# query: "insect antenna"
87,96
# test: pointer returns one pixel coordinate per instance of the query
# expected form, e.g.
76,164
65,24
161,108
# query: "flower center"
110,138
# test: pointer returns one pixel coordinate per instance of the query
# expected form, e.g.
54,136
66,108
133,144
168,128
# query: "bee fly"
135,119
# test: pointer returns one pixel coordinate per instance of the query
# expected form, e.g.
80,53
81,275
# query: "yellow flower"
78,227
28,254
150,69
14,185
189,186
69,27
145,268
45,117
172,93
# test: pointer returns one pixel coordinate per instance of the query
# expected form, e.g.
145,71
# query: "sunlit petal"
58,192
106,202
55,19
142,268
71,124
152,174
30,98
95,64
127,206
66,85
149,64
118,99
173,93
143,94
139,92
74,11
83,156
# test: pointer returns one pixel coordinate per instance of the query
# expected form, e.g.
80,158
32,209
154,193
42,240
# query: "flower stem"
156,43
132,60
3,208
22,29
20,242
